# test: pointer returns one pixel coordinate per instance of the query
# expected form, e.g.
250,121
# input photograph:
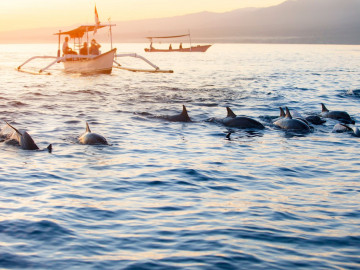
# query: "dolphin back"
292,124
92,139
24,139
27,143
337,115
243,122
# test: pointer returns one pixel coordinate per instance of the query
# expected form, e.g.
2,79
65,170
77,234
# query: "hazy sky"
25,14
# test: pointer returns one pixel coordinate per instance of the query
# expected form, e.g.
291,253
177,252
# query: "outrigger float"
86,63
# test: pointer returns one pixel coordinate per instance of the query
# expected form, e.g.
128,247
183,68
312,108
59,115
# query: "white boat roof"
169,36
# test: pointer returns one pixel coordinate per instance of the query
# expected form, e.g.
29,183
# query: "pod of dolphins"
285,121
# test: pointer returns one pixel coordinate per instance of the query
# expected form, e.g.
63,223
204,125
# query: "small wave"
151,265
72,122
92,213
49,107
194,174
35,86
143,113
223,188
80,92
9,260
204,104
157,183
38,94
248,79
44,230
17,104
353,92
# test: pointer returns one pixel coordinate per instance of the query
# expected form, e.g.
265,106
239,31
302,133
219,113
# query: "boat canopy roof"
81,30
169,36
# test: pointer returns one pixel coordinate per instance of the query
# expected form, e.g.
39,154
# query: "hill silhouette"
294,21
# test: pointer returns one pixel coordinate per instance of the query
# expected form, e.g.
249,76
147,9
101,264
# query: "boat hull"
100,64
198,48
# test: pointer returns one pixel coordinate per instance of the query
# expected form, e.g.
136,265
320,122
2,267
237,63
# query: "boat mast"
87,40
58,53
190,40
110,37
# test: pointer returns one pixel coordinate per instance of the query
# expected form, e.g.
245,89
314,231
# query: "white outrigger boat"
87,63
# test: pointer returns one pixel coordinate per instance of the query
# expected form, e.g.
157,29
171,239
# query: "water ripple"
168,195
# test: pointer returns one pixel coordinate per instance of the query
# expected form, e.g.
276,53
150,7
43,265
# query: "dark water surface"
167,195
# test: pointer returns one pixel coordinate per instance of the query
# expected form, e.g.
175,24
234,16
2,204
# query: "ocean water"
169,195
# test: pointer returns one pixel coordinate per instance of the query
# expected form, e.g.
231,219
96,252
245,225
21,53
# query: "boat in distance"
197,48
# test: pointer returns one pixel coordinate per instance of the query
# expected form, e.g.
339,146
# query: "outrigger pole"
41,71
118,66
155,70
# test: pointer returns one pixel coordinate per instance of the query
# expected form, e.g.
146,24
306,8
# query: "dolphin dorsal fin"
230,113
18,132
323,108
49,148
87,127
282,113
185,114
288,114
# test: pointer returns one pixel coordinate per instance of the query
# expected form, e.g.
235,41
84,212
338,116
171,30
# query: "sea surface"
170,195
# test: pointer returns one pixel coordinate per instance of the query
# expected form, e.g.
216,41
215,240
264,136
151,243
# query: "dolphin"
231,120
91,138
182,117
315,120
25,141
290,123
340,128
341,116
297,115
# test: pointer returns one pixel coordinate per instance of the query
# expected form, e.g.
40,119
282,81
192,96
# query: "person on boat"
151,46
94,48
84,49
180,46
66,49
170,47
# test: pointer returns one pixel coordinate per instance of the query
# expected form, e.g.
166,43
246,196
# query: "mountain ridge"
293,21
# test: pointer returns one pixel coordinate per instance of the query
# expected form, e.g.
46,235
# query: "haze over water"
167,195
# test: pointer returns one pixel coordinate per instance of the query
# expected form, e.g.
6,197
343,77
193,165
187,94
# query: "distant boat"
197,48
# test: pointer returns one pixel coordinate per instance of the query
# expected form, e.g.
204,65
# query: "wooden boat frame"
198,48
